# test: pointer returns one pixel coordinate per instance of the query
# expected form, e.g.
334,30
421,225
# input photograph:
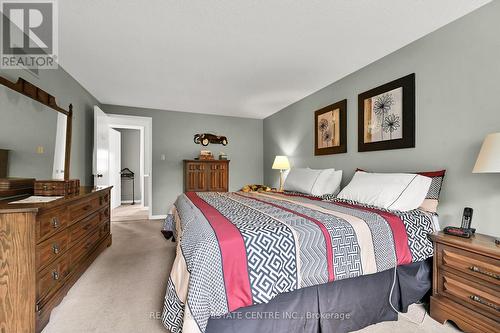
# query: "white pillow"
301,180
396,191
328,182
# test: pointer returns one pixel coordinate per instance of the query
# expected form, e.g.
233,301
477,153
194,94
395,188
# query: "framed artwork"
330,129
386,116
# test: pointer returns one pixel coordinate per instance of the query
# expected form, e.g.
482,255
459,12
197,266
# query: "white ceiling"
247,58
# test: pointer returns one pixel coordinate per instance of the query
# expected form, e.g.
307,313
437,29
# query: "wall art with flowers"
331,129
386,116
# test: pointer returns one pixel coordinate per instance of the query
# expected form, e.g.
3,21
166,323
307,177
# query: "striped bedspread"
239,249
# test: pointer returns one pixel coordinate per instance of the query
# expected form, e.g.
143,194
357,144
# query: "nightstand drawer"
477,266
476,296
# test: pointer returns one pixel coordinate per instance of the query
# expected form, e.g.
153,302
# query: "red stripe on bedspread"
234,256
326,234
403,253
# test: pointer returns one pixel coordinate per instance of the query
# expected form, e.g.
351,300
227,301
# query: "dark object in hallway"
129,175
205,138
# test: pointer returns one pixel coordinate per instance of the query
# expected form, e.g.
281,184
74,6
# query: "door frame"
145,126
114,179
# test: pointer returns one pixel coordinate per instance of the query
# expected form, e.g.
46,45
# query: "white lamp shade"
281,163
488,160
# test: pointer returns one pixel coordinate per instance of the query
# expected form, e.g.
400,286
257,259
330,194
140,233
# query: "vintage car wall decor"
206,138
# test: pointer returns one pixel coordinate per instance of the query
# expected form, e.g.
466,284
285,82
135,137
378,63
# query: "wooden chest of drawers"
44,249
466,282
206,176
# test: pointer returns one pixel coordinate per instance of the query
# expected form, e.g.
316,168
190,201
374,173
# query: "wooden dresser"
466,282
44,249
206,176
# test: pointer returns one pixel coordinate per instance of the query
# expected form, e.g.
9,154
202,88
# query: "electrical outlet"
40,150
162,157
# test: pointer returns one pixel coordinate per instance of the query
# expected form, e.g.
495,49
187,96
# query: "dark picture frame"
403,129
338,133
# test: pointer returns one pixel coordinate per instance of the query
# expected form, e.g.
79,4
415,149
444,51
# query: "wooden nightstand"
466,282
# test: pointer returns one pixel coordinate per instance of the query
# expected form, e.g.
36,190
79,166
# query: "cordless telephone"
465,230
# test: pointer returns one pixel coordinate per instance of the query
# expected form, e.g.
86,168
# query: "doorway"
124,142
129,189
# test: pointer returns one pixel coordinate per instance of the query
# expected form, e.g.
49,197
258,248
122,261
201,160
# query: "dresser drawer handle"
55,275
55,222
87,227
88,245
87,207
55,248
483,302
490,274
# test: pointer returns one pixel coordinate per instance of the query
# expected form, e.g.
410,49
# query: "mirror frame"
30,90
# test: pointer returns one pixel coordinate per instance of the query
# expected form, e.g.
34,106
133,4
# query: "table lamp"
281,163
488,160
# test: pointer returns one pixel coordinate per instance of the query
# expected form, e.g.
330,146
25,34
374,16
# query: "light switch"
40,150
162,157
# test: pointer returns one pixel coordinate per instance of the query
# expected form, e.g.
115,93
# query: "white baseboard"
157,217
130,201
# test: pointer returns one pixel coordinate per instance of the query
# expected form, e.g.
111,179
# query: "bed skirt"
340,306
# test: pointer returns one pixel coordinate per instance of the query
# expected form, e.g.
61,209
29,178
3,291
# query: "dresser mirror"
35,133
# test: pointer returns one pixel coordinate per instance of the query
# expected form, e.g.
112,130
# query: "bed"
239,252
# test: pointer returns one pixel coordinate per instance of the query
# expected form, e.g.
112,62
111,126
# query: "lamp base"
281,182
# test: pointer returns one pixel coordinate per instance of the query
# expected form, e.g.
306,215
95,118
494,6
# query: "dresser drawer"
104,229
104,199
84,247
52,277
83,208
51,249
51,222
479,297
476,266
104,214
79,230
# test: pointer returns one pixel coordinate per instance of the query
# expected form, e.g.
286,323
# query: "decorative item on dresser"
56,187
206,175
44,249
466,282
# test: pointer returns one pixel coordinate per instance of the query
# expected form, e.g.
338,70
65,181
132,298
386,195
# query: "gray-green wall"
67,90
173,136
457,89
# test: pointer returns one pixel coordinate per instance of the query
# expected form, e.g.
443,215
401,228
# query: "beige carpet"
123,290
129,213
